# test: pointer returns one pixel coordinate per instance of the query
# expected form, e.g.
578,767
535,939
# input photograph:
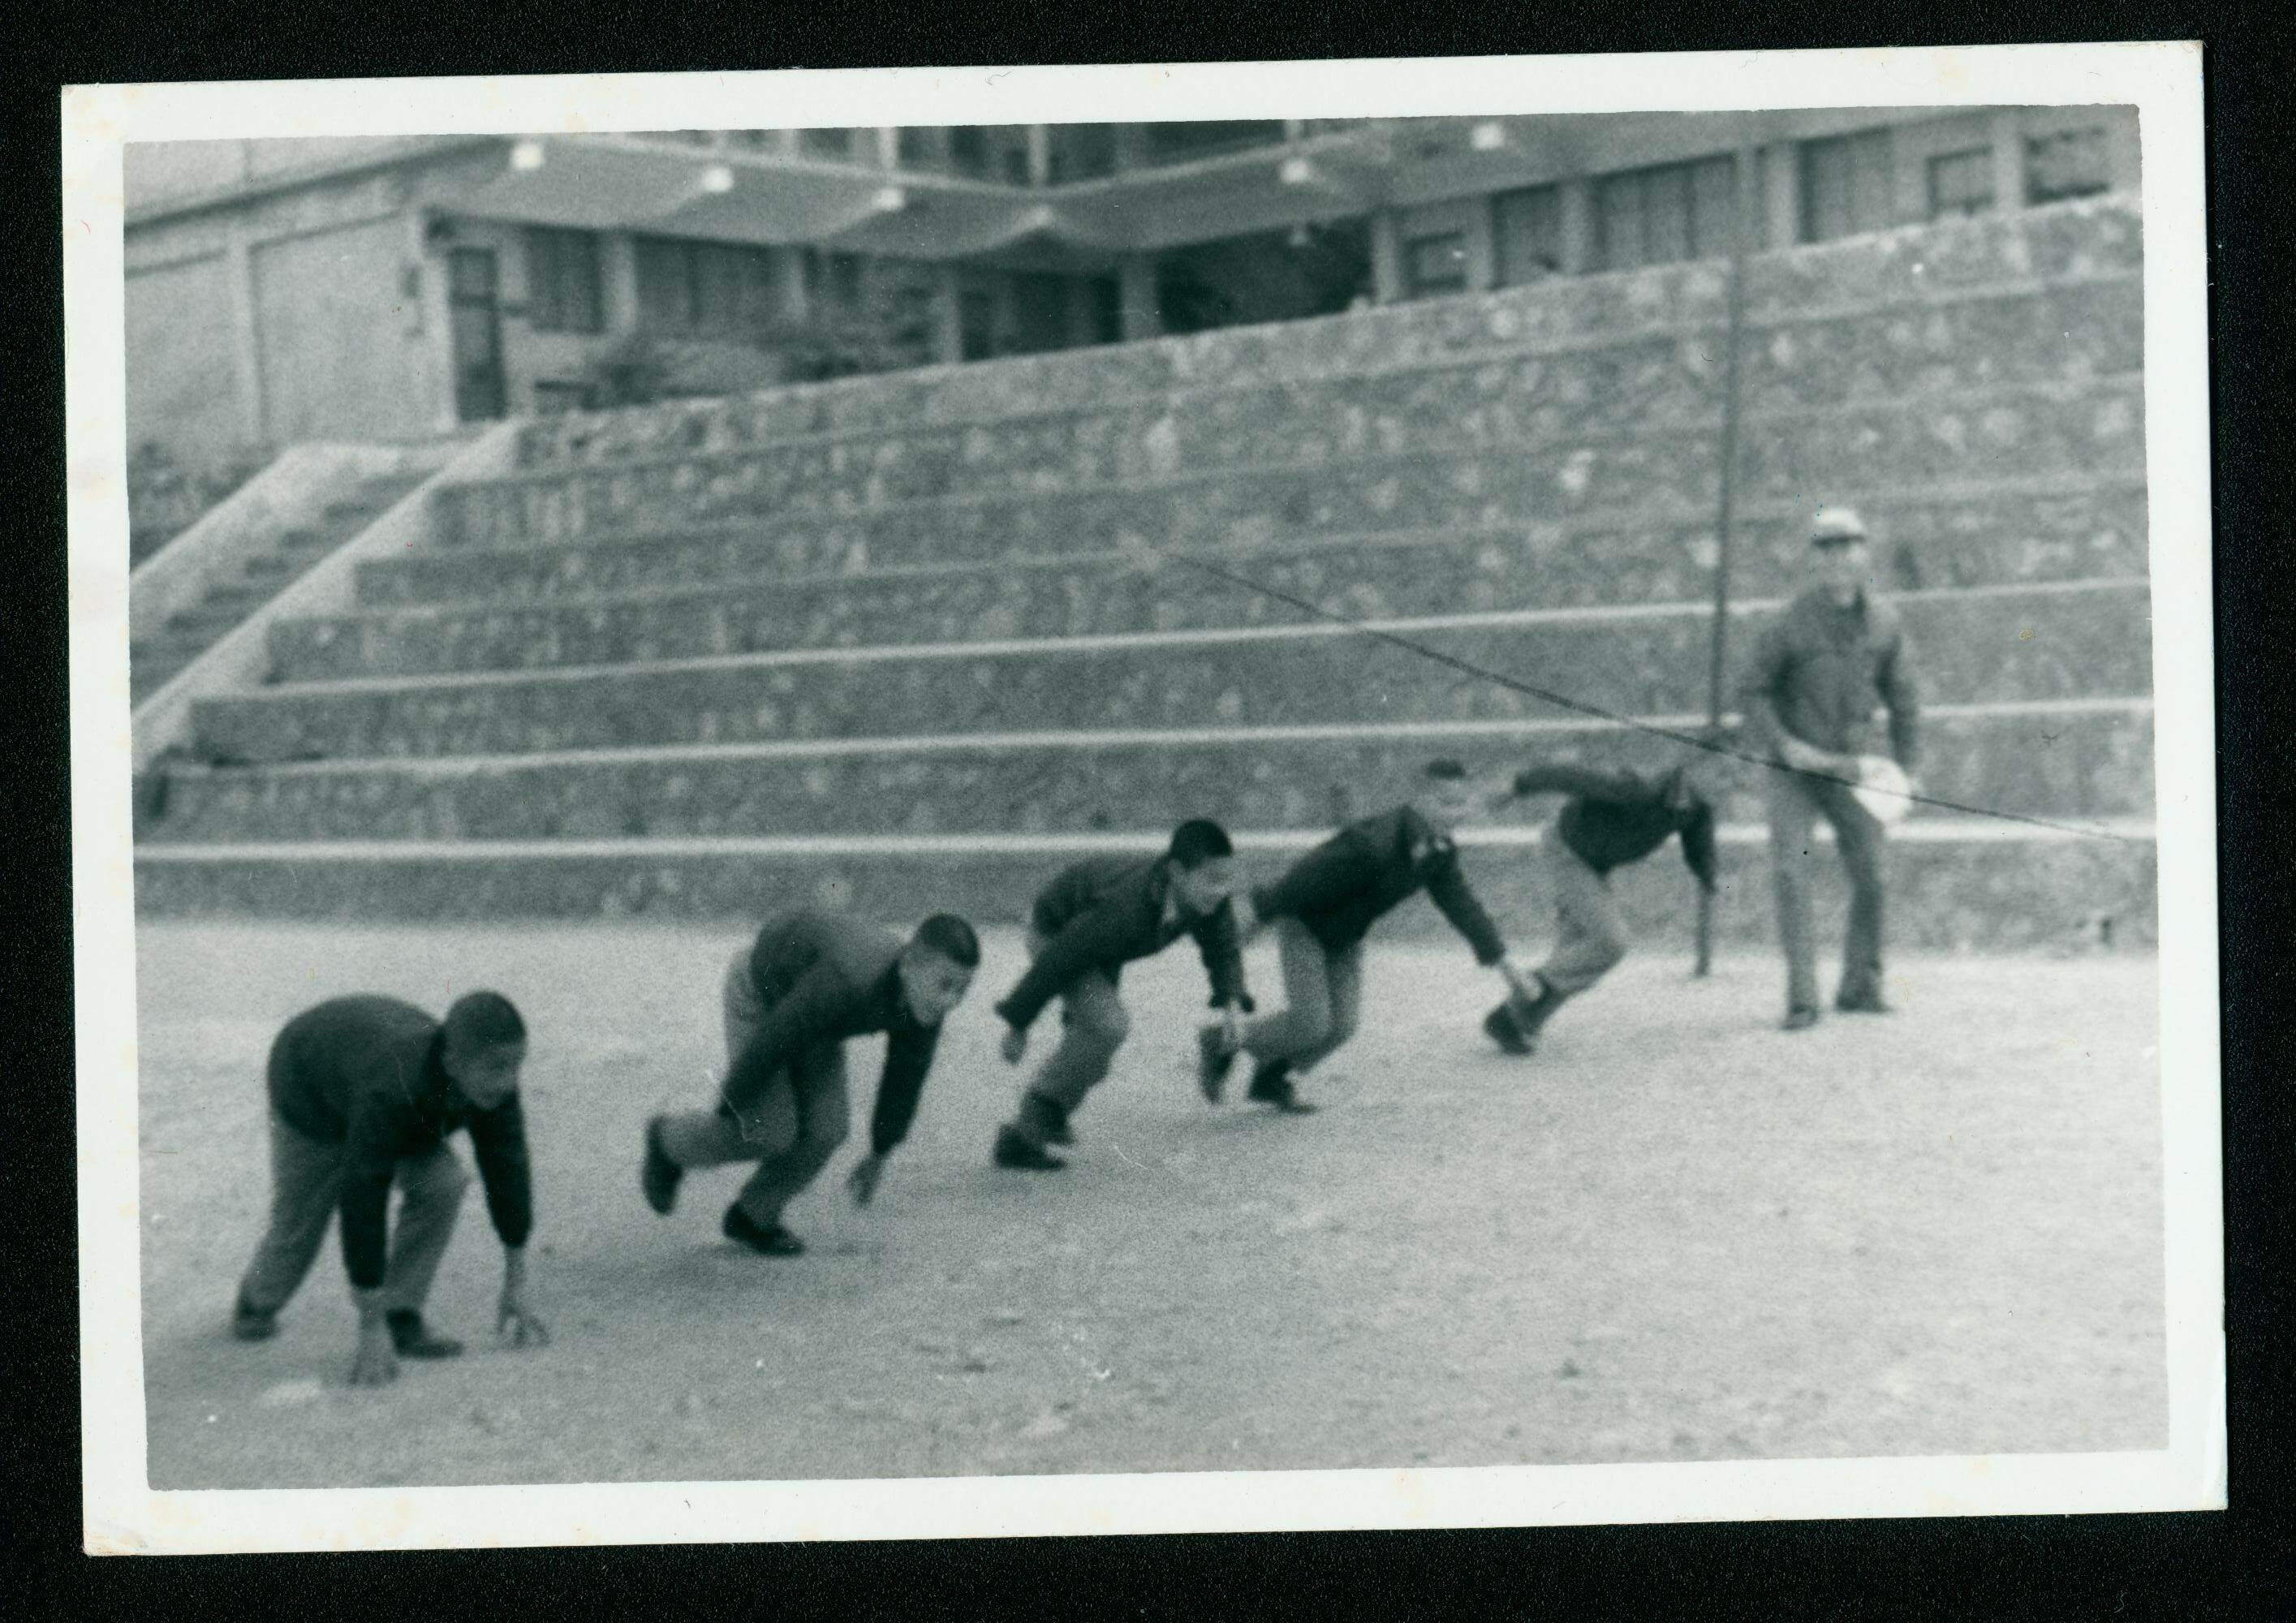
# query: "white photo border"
123,1514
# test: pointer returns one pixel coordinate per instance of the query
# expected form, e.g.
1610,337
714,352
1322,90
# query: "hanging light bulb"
525,155
1487,136
1296,172
889,199
717,177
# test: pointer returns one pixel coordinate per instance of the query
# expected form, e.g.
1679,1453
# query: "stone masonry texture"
1974,387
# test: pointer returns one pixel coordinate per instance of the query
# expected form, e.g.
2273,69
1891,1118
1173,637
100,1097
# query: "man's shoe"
1214,1060
1861,1000
1273,1085
252,1324
410,1337
661,1175
774,1241
1800,1018
1501,1026
1016,1152
1057,1130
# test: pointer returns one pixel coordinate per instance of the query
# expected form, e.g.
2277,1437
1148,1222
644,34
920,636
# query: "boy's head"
1840,556
1203,864
936,967
1446,795
485,1044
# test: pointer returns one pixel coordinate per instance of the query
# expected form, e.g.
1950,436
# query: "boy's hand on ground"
1015,1045
376,1361
515,1321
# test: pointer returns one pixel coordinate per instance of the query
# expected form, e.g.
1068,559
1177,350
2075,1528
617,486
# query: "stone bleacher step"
2080,760
1991,646
1953,885
2021,338
1529,469
2005,528
2053,253
1406,575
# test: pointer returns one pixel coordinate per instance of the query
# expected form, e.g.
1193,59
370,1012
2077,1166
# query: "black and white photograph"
1281,796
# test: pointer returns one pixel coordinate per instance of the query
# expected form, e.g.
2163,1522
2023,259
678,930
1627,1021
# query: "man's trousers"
791,1131
306,1190
1796,801
1322,1001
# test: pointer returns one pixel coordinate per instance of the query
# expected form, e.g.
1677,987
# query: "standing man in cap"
364,1094
1096,916
1819,672
809,982
1324,906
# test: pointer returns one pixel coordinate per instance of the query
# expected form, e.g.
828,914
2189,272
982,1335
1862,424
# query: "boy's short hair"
1444,771
1198,841
480,1020
952,938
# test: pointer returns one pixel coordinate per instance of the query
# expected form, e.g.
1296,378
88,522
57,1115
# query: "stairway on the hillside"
156,658
935,633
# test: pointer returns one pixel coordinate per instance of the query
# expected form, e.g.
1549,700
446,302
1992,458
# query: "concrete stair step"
1998,529
1414,578
1535,465
1968,346
2080,762
1977,891
1983,647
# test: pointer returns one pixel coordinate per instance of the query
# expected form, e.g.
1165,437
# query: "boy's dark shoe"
774,1241
1502,1028
411,1338
1016,1152
1044,1120
1271,1084
1214,1060
1802,1017
661,1175
1861,1000
250,1324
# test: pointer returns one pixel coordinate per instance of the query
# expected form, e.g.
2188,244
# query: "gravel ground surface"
1676,1234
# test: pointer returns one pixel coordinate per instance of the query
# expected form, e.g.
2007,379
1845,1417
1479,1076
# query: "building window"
1435,264
1082,151
825,143
702,290
563,283
1184,142
1040,312
833,278
1658,216
2070,163
968,149
923,146
1961,183
1848,186
556,399
1528,226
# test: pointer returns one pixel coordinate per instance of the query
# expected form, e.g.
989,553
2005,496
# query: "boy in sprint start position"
364,1094
811,981
1327,903
1611,819
1095,918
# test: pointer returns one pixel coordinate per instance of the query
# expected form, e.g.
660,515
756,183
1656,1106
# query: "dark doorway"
474,312
1271,275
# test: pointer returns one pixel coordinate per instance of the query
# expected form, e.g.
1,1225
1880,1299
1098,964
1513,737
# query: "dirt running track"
1676,1235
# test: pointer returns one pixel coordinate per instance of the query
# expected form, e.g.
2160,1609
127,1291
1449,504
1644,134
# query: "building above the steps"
392,288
